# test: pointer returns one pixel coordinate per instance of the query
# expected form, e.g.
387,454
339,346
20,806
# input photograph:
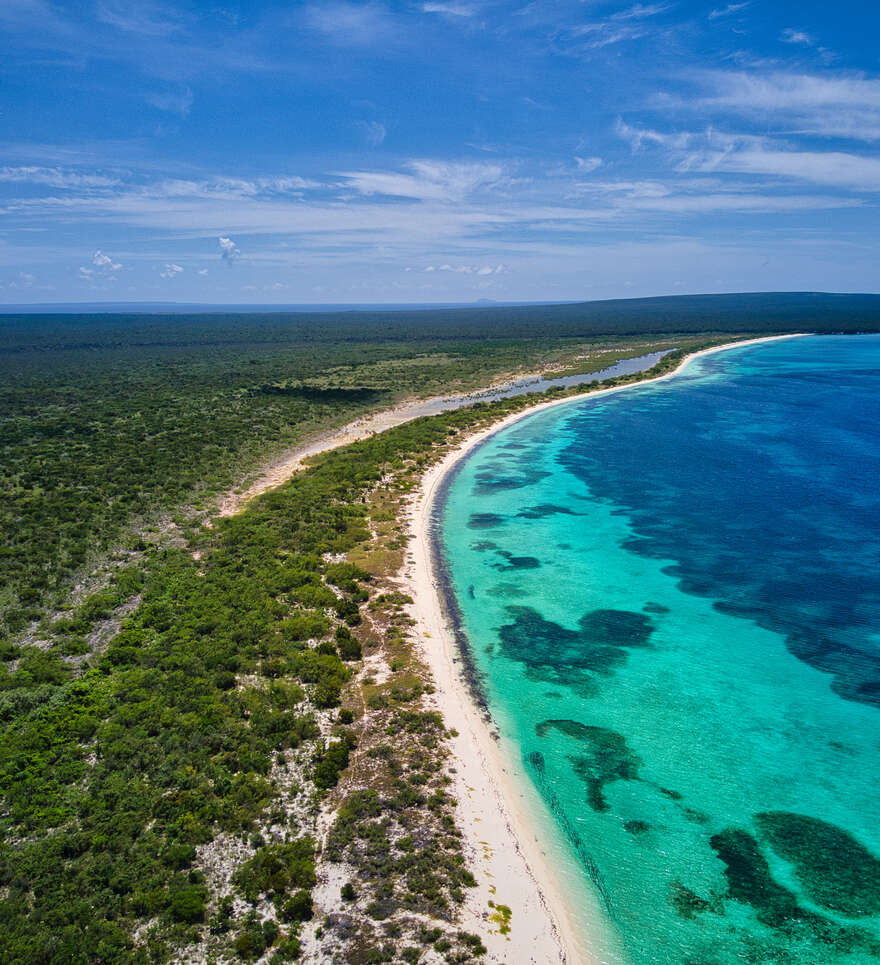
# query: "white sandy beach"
494,808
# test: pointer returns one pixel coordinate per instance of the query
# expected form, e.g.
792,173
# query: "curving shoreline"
289,463
498,809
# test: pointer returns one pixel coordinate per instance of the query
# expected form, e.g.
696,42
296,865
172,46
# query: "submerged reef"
599,645
484,520
606,757
835,870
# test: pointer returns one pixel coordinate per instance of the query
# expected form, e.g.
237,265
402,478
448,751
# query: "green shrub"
340,574
276,868
188,904
347,892
330,762
298,908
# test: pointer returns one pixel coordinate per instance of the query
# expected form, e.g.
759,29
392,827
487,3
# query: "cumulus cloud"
25,280
229,250
170,270
105,262
103,267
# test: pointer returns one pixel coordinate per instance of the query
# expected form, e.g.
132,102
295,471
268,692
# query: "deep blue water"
672,595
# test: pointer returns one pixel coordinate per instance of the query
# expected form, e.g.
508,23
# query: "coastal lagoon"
671,602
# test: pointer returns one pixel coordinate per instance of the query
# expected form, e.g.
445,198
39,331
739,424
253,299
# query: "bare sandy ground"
496,812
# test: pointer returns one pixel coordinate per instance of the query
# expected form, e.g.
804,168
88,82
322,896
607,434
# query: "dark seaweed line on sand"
449,606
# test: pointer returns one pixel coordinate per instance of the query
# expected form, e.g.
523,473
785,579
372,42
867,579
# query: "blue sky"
442,150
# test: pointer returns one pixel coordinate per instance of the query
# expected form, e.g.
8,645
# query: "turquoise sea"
671,602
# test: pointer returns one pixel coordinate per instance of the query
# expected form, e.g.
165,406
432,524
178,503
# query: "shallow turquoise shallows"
671,597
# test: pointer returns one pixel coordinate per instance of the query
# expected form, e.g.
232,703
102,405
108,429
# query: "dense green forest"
115,433
758,312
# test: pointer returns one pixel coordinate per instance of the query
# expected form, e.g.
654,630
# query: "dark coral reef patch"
606,757
834,869
544,510
512,562
484,520
750,882
599,645
489,481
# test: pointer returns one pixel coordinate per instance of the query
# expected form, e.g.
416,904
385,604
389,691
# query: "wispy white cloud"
641,11
175,102
624,25
702,195
587,164
351,24
728,10
158,40
144,17
56,177
374,132
791,36
713,151
230,188
594,36
639,136
841,105
429,180
482,220
481,271
829,168
451,9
